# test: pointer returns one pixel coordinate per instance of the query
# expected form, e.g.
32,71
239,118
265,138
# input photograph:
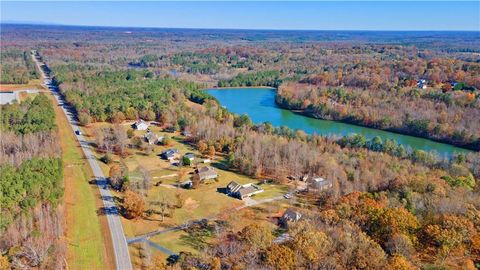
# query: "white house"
319,183
140,125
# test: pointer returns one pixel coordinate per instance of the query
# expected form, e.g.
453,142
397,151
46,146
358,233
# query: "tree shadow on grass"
197,236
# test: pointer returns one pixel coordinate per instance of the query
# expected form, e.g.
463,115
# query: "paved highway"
120,247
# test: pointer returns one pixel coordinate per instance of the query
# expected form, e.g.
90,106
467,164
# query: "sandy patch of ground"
190,204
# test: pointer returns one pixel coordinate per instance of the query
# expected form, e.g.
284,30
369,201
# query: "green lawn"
175,241
270,191
203,202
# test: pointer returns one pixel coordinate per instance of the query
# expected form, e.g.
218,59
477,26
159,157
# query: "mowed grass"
85,241
176,241
204,202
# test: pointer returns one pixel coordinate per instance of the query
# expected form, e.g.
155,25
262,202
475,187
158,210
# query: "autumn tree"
311,243
398,262
84,118
133,204
257,236
117,177
211,151
202,146
118,118
280,257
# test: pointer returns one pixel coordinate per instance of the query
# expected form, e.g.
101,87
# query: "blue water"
259,104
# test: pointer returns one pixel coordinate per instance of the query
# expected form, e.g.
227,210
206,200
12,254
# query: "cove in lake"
259,104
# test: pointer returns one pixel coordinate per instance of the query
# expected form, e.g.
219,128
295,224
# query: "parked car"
287,196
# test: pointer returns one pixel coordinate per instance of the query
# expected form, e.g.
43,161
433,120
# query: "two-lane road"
119,242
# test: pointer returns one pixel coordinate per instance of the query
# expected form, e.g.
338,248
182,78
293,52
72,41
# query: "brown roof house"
205,173
236,190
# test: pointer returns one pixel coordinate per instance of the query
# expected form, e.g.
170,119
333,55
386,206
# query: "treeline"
31,116
447,117
120,95
260,78
17,66
15,148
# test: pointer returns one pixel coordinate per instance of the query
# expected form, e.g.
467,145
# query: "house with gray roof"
291,215
169,154
236,190
151,138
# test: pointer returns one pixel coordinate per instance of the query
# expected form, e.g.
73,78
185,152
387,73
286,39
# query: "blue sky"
324,15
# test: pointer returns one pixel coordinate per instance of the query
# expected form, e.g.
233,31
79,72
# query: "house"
205,173
319,183
169,154
151,138
140,125
291,215
422,84
190,156
236,190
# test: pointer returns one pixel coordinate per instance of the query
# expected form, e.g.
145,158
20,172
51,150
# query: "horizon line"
238,29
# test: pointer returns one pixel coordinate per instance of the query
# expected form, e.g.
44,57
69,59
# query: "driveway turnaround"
119,242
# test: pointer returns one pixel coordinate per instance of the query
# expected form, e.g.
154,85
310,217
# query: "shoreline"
392,130
239,88
303,113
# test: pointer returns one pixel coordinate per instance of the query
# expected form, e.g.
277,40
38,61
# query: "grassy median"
85,238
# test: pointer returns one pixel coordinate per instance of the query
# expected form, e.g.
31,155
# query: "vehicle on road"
78,132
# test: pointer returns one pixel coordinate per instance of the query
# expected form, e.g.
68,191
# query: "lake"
259,104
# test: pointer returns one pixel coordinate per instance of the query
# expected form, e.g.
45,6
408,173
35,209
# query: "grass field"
175,241
33,84
86,247
203,202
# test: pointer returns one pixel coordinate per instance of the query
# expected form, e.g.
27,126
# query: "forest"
31,185
16,67
388,208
